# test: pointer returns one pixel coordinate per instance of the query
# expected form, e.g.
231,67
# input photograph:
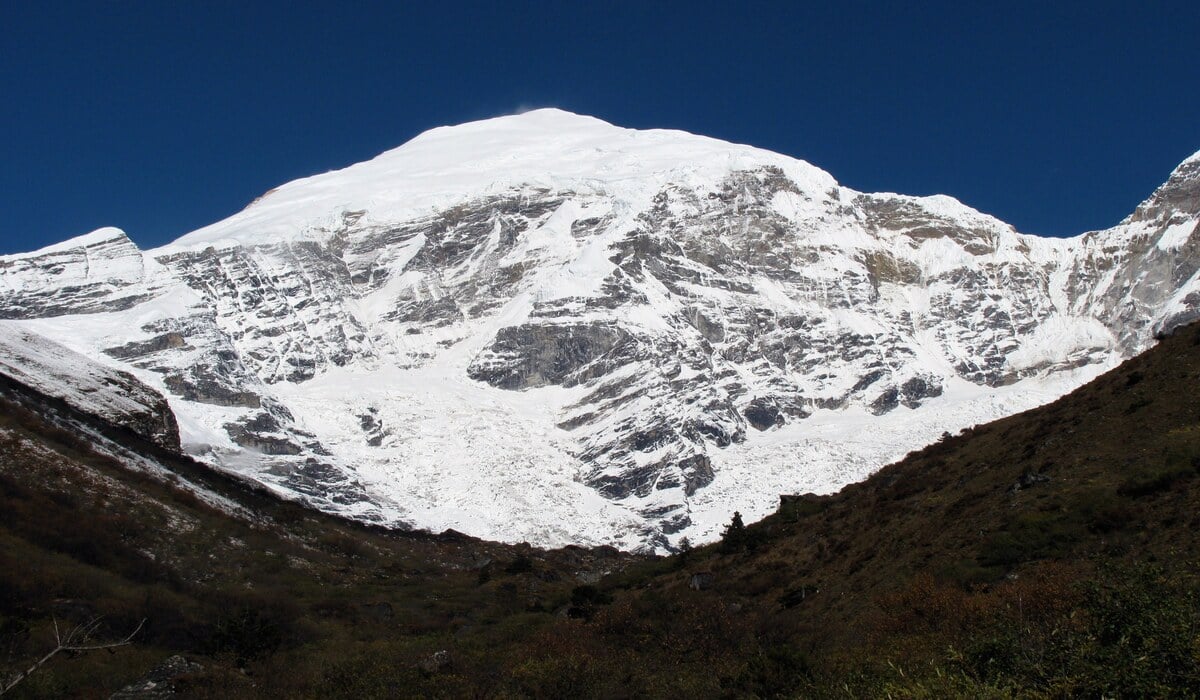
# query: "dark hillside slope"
1049,554
993,532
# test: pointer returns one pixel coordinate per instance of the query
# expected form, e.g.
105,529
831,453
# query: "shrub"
248,634
1155,480
521,565
1031,536
779,670
585,600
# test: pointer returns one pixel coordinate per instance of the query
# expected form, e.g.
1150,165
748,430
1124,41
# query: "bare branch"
124,642
82,633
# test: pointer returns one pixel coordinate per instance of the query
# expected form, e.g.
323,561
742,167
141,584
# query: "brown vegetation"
1050,554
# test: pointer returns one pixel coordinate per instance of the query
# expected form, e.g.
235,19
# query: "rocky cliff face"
548,328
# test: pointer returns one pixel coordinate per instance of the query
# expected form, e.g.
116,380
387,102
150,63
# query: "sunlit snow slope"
544,327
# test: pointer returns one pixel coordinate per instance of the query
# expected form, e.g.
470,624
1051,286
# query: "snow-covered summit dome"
543,148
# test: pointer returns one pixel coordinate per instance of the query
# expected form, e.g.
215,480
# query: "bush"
1130,630
248,634
366,675
521,565
585,599
779,670
1031,536
1155,480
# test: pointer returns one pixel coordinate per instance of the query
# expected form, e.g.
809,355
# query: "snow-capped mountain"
544,327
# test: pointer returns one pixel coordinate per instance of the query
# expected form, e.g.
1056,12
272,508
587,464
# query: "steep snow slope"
111,395
547,328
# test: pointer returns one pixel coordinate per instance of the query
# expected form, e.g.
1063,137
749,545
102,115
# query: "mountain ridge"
544,327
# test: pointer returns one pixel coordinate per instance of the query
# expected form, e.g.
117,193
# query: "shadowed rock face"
653,326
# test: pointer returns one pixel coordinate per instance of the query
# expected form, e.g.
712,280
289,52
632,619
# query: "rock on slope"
547,328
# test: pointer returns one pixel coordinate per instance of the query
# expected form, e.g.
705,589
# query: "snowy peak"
1178,197
544,327
543,149
513,128
108,237
1194,158
93,272
566,144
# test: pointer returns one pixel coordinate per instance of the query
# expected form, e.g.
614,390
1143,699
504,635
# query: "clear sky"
162,116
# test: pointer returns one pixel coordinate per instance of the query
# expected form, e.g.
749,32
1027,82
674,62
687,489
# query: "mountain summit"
447,166
544,327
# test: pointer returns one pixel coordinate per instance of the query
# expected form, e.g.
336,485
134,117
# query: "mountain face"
547,328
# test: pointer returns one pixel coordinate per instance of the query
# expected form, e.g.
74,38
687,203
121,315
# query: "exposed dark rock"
1028,480
267,444
160,682
434,312
889,399
697,472
321,481
712,331
533,355
763,413
675,522
917,388
129,351
436,662
1179,195
204,385
262,433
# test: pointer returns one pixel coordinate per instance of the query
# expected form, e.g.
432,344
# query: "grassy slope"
936,576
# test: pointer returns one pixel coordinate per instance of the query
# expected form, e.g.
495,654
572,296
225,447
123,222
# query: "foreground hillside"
1052,553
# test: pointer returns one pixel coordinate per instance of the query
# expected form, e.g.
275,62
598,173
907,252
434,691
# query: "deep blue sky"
163,116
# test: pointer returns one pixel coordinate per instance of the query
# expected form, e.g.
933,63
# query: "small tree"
734,538
684,552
